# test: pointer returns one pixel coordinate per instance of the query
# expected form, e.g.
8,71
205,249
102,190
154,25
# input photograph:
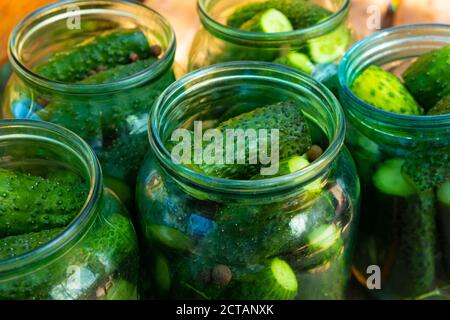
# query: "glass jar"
216,42
403,233
111,116
95,256
205,236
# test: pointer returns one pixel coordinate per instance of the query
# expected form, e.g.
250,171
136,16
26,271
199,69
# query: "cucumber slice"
443,193
331,46
277,281
297,61
384,91
388,179
269,21
290,165
170,237
323,237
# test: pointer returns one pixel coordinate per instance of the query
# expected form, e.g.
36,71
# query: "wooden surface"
183,16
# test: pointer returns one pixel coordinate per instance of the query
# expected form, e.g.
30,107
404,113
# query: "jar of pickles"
233,229
395,89
62,234
94,67
305,35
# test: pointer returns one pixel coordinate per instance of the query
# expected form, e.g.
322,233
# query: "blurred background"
183,16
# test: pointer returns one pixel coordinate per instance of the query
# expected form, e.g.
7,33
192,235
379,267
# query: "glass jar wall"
94,67
216,238
404,224
50,248
320,35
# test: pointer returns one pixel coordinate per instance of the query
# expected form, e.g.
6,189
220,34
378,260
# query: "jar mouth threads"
388,46
117,13
63,141
237,36
169,109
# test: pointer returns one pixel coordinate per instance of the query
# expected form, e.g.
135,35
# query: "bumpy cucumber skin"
107,50
108,253
30,203
301,14
428,77
119,72
442,107
294,136
414,272
383,90
427,166
13,246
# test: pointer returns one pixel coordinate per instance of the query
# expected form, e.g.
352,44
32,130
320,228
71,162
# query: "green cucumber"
288,166
331,46
441,107
414,269
388,179
277,281
31,203
443,193
170,237
297,61
301,13
383,90
106,50
117,123
323,237
13,246
286,117
427,166
269,21
119,72
428,78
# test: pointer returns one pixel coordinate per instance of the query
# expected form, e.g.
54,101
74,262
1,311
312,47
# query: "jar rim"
239,36
390,118
149,73
297,178
86,215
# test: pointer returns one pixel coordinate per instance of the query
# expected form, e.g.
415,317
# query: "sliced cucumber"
331,46
269,21
323,237
383,90
443,193
296,60
170,237
277,281
290,165
389,179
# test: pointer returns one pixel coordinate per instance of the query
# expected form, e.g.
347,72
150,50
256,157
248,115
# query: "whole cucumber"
107,50
30,203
